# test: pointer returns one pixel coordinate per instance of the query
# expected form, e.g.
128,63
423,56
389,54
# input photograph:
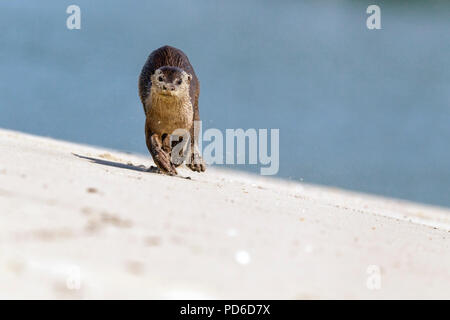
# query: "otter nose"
169,87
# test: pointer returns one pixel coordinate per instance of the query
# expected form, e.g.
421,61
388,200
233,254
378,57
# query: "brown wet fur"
164,114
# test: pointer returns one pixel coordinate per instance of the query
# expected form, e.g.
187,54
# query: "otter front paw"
197,163
162,160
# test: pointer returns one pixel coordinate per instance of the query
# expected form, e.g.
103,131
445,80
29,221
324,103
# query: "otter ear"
189,76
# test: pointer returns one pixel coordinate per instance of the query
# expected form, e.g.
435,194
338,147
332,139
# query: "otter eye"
160,79
179,82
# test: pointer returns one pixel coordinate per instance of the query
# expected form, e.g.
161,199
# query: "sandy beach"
81,222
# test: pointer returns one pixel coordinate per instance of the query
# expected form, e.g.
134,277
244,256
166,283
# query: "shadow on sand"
140,168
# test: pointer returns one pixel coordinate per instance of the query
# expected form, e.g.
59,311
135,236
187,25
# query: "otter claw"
162,160
197,164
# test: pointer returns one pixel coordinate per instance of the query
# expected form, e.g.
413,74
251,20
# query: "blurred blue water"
359,109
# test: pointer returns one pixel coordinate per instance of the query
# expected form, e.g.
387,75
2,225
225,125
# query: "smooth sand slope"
85,222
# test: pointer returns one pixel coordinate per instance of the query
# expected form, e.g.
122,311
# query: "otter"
169,90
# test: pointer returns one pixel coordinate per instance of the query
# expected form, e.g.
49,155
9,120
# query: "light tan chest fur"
165,114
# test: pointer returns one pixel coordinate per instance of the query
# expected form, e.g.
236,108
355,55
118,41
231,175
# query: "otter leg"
179,150
196,162
171,148
165,138
160,156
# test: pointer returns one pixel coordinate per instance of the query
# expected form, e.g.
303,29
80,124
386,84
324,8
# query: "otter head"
170,81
